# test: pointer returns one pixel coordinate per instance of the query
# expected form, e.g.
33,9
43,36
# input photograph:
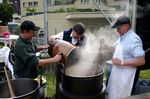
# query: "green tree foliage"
6,12
71,9
31,10
5,1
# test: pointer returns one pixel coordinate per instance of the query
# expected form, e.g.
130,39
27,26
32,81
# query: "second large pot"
89,85
23,88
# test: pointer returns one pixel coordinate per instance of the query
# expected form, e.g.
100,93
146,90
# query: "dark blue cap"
120,21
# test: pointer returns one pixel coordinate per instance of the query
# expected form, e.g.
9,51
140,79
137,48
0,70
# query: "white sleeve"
59,35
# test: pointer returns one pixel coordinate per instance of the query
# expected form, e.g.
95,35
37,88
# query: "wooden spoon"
9,84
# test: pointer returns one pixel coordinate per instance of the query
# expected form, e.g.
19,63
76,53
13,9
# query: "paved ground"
140,96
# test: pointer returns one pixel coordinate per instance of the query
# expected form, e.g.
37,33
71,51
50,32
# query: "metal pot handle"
147,50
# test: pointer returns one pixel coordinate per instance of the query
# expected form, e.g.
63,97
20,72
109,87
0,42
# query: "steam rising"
93,54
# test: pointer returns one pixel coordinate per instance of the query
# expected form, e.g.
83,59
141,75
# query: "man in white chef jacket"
128,55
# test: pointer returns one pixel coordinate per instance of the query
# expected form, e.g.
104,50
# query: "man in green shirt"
26,61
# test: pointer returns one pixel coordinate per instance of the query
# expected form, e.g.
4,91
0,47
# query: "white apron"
121,78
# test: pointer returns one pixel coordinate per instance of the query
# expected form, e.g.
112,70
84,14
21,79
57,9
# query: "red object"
6,34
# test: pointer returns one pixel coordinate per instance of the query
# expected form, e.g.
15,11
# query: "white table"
9,40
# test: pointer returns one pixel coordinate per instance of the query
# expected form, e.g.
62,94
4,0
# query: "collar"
73,37
125,35
71,34
24,40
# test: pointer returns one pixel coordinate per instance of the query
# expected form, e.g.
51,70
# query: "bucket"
6,34
61,47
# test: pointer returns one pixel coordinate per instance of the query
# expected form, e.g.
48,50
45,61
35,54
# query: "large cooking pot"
73,57
23,88
64,94
83,85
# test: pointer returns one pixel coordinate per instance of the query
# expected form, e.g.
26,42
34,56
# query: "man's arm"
133,62
54,59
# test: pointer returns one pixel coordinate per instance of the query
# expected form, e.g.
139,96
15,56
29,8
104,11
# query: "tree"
31,10
6,12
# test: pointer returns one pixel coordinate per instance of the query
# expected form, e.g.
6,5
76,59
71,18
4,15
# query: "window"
29,4
58,2
28,14
70,1
84,1
36,3
25,4
97,1
49,2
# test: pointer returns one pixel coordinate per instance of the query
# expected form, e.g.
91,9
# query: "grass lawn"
145,74
50,84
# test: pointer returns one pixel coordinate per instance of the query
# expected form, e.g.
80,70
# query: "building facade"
62,14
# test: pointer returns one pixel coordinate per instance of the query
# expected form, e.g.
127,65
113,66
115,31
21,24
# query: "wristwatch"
122,63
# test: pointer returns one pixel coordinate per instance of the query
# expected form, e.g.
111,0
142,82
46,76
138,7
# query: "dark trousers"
135,81
58,78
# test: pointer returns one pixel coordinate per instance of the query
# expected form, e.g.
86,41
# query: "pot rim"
27,94
91,76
